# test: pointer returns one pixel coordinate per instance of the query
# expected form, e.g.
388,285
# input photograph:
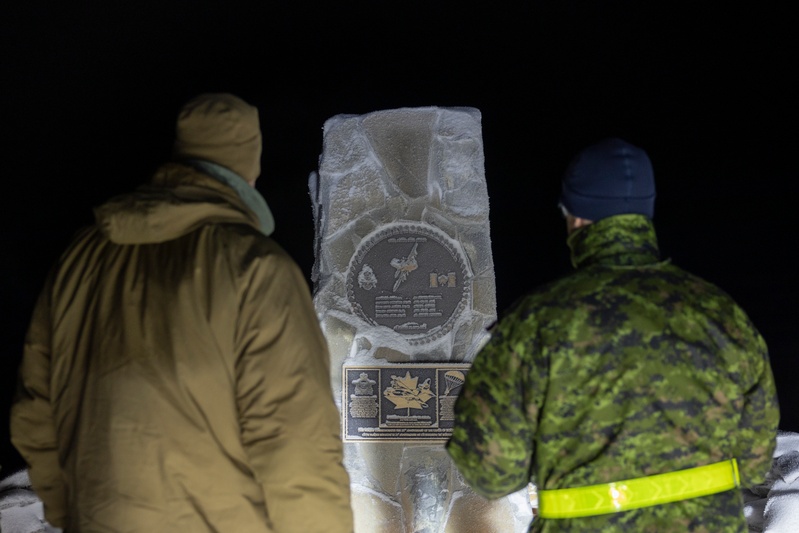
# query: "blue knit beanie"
609,178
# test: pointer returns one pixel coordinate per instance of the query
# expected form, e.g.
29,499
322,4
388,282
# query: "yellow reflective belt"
639,492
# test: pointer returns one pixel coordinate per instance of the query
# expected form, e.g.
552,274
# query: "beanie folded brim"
597,207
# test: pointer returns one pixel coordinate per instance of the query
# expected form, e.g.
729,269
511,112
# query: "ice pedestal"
404,288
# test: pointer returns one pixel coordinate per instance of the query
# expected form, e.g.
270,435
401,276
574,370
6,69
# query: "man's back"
176,366
649,370
627,391
145,342
627,368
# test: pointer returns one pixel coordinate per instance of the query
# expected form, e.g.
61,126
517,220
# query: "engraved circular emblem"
410,278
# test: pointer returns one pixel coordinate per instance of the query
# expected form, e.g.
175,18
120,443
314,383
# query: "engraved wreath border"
397,229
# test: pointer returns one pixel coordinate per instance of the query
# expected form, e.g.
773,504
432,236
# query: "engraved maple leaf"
405,393
407,382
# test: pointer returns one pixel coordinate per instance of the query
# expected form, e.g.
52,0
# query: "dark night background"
90,93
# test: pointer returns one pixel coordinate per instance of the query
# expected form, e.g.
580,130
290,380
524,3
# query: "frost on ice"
404,275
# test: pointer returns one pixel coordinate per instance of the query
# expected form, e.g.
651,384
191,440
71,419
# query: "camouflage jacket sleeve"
496,413
757,430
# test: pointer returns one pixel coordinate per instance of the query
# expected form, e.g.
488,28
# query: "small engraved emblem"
404,266
363,385
410,326
453,379
443,280
366,278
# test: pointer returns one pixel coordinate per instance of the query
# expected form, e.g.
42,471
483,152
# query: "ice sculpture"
404,288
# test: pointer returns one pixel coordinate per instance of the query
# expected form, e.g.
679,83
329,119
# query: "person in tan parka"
175,377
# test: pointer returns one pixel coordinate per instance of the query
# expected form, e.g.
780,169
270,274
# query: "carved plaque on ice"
402,402
411,278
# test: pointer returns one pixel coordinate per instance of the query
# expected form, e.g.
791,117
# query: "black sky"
90,94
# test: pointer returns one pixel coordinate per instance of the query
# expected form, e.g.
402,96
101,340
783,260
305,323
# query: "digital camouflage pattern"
628,367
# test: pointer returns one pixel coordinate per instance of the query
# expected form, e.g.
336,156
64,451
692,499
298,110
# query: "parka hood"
222,128
178,200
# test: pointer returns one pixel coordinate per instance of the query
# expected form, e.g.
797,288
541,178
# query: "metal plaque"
402,402
410,278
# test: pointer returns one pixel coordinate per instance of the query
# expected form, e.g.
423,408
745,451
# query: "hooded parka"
175,377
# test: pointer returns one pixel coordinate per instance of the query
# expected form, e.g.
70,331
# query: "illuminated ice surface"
416,173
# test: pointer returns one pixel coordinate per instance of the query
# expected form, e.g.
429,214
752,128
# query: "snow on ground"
773,507
20,510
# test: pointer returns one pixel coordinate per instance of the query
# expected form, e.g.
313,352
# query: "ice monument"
404,289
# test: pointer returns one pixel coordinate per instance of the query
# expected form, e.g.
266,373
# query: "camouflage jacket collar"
621,240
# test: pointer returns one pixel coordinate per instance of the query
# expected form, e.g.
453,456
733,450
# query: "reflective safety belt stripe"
639,492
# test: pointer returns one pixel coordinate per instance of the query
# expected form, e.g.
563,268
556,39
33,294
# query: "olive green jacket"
626,368
175,377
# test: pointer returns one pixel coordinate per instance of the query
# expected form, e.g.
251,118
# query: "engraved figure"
404,266
366,278
363,404
405,393
364,385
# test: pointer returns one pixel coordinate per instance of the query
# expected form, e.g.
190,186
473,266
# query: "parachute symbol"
453,379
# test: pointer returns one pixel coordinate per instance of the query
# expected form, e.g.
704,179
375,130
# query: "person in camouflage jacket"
629,367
